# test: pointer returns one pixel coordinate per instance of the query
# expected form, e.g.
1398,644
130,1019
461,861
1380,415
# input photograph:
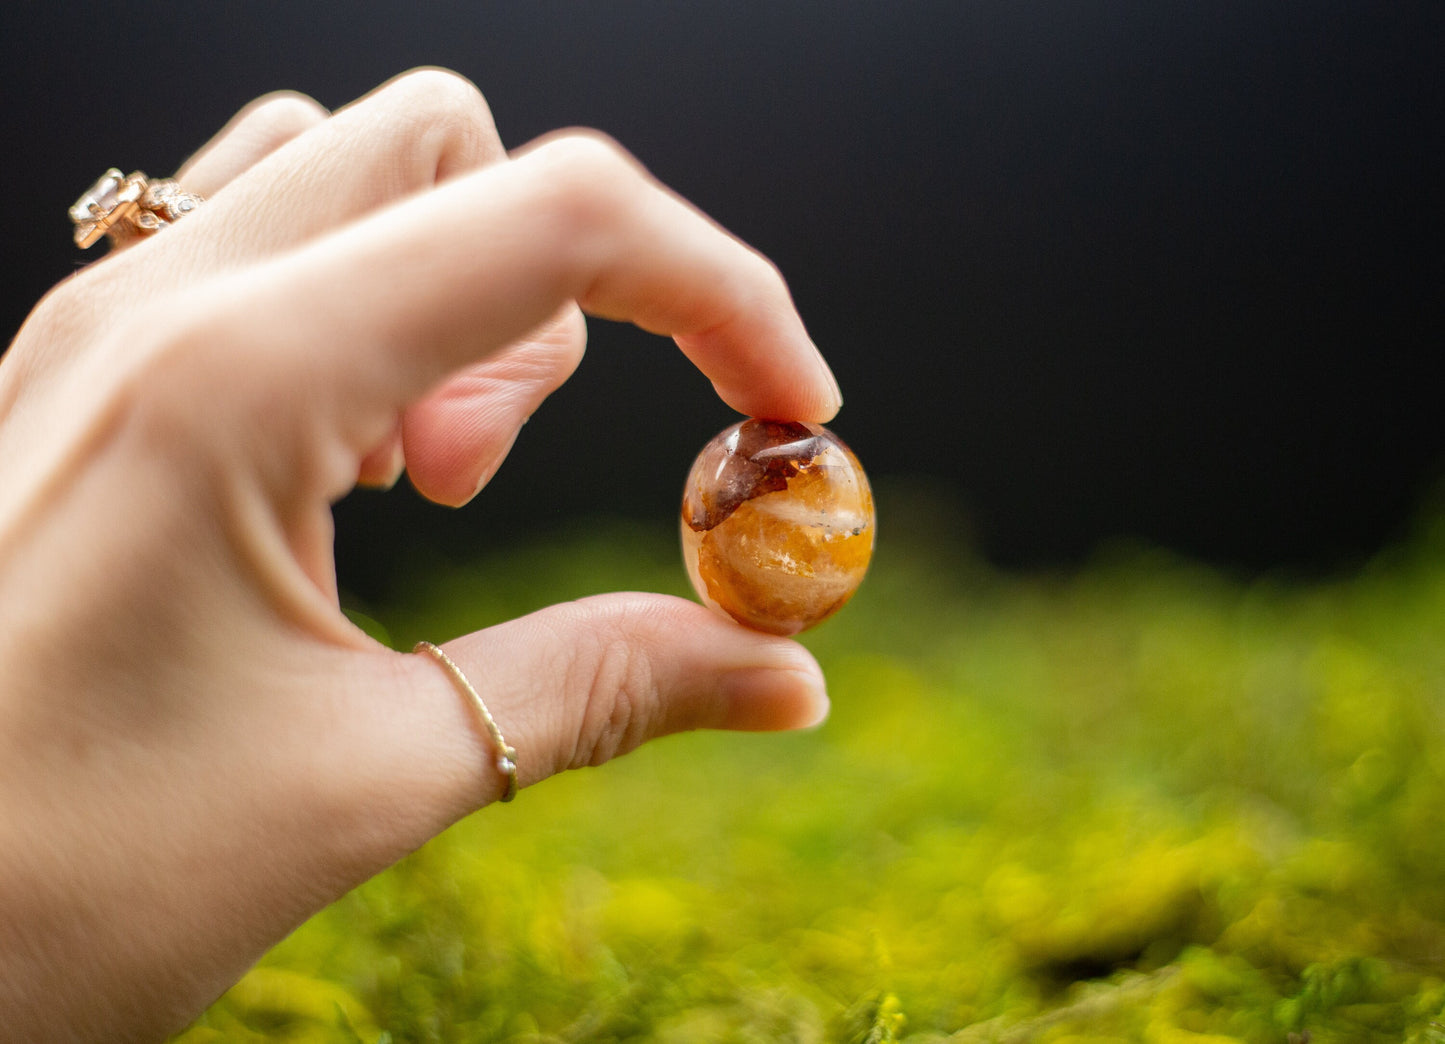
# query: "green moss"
1142,803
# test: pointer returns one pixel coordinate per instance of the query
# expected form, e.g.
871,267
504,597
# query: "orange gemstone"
777,524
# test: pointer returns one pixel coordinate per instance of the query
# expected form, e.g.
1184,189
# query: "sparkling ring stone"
128,206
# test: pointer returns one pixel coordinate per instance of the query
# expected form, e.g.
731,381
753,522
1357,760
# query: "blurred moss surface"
1143,801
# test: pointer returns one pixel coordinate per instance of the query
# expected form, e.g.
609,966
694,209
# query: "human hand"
197,750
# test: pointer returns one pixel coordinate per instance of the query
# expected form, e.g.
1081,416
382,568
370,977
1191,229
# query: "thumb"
584,682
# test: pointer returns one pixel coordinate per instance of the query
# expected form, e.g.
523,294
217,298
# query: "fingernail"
396,468
489,471
832,382
776,697
486,477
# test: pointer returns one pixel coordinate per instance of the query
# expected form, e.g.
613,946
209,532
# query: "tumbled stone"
777,524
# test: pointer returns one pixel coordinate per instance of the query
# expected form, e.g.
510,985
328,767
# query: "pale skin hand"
197,750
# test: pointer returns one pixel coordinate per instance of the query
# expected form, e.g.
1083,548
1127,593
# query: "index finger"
374,315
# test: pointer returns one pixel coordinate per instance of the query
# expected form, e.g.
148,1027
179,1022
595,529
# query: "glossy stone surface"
777,524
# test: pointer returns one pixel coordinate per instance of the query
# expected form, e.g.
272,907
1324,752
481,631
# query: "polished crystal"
777,524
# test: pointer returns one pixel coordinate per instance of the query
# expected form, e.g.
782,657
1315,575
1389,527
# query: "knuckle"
178,392
160,391
281,116
586,179
436,88
769,270
587,145
152,419
439,99
584,158
198,392
620,697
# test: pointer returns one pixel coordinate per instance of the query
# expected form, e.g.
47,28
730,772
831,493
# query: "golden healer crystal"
777,524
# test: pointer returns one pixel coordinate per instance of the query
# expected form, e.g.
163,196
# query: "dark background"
1163,270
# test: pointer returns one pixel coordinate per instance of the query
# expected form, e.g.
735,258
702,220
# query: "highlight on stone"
777,524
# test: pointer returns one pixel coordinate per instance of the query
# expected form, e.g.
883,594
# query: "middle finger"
406,136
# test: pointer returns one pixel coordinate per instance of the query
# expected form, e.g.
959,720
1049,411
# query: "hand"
197,750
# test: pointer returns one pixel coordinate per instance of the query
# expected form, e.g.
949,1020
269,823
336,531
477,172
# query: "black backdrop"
1169,270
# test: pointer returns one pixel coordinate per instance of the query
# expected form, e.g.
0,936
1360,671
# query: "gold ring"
506,755
128,206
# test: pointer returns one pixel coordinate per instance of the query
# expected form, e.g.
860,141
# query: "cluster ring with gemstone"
129,206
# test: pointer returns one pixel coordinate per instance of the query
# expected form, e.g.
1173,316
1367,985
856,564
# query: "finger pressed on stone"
378,315
586,681
575,685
